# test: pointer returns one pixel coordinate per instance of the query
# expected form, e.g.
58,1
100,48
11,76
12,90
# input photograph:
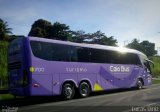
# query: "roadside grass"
6,97
156,68
156,81
3,63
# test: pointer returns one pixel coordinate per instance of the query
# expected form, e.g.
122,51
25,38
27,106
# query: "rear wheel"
84,89
139,84
68,91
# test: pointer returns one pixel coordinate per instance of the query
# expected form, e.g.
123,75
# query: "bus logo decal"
36,69
78,70
119,69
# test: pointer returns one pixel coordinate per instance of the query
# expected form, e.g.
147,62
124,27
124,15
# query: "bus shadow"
26,101
112,91
3,91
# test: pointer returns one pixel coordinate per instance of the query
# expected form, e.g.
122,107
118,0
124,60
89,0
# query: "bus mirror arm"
151,63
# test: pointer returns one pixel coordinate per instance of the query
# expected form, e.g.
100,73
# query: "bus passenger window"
83,54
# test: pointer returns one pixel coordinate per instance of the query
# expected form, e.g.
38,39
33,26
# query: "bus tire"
68,91
139,84
84,89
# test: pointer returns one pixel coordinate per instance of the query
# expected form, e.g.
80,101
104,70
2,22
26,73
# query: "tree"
60,31
93,38
4,30
78,36
37,32
146,47
3,63
40,28
109,41
135,44
43,28
100,38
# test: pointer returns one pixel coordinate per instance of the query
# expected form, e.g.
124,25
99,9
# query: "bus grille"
15,65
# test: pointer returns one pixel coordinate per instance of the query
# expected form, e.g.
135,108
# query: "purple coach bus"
45,67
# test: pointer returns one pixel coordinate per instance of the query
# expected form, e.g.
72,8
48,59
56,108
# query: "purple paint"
47,77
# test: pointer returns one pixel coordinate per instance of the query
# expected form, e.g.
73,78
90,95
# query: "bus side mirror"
148,71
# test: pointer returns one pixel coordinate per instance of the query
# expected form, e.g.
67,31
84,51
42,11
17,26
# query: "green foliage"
40,28
94,38
3,62
43,28
4,30
156,81
101,38
59,31
156,68
79,36
6,97
146,47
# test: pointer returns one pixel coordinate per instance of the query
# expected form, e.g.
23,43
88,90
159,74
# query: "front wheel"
68,91
84,89
139,84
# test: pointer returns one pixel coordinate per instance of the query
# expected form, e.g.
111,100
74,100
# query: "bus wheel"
84,89
139,84
68,91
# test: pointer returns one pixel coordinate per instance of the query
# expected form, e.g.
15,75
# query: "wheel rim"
84,90
139,85
68,92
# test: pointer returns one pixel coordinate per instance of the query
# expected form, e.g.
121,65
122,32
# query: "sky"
123,19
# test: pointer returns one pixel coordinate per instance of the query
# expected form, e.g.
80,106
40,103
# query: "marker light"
31,69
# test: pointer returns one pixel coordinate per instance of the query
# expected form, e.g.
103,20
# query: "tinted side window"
127,58
83,54
135,59
98,56
53,52
113,57
41,50
63,53
59,52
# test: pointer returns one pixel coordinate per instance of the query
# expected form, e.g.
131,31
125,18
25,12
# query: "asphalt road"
145,100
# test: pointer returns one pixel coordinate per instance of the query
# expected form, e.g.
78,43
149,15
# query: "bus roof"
95,46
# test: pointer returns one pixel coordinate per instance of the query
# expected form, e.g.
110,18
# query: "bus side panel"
41,85
107,78
56,84
107,84
137,72
147,78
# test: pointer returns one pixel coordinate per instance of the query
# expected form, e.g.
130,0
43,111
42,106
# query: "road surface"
145,100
